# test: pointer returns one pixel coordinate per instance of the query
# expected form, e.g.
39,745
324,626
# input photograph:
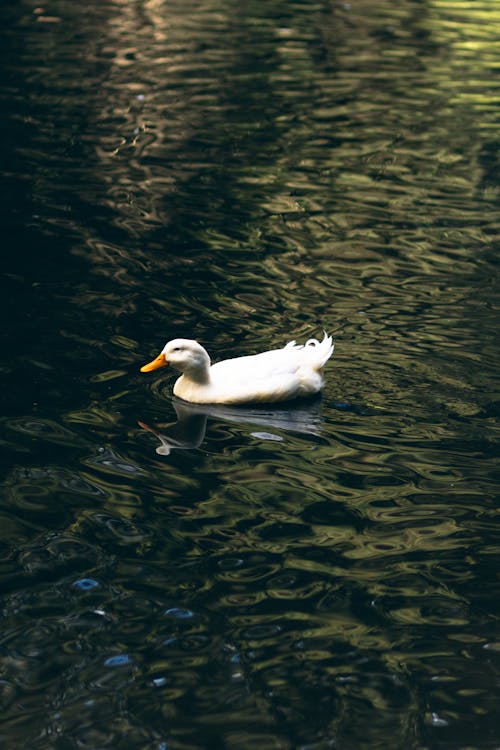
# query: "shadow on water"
315,577
189,430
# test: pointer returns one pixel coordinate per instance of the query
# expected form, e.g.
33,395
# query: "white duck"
277,375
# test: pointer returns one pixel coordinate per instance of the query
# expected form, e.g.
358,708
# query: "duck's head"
184,355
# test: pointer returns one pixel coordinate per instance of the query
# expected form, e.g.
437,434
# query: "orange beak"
160,361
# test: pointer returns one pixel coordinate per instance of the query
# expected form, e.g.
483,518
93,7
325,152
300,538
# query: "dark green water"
247,173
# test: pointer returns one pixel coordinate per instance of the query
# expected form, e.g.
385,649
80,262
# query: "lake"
306,576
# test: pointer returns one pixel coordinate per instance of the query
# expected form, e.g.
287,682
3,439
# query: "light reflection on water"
318,577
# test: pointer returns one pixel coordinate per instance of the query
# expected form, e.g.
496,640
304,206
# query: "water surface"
324,576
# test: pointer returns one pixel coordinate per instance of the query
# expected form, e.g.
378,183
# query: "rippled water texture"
304,578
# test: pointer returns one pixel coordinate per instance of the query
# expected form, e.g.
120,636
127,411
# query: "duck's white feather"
276,375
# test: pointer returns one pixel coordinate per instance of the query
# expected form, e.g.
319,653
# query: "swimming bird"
276,375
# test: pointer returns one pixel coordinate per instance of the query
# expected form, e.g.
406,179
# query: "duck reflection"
189,430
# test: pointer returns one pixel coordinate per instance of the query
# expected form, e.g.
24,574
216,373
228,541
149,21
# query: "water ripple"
315,578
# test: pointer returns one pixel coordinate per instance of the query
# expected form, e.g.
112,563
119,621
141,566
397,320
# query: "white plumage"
276,375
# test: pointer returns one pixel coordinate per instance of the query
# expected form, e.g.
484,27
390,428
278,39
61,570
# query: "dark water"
325,576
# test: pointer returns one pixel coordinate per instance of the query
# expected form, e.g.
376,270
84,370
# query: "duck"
268,377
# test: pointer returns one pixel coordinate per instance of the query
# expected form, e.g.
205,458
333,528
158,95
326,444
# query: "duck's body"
277,375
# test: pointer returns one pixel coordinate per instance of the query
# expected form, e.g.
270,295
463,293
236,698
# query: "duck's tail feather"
318,352
322,350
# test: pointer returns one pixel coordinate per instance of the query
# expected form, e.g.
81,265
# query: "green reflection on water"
249,174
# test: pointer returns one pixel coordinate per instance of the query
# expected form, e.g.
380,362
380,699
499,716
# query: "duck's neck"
199,371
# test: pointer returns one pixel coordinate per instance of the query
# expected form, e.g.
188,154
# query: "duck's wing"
313,354
263,365
263,378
